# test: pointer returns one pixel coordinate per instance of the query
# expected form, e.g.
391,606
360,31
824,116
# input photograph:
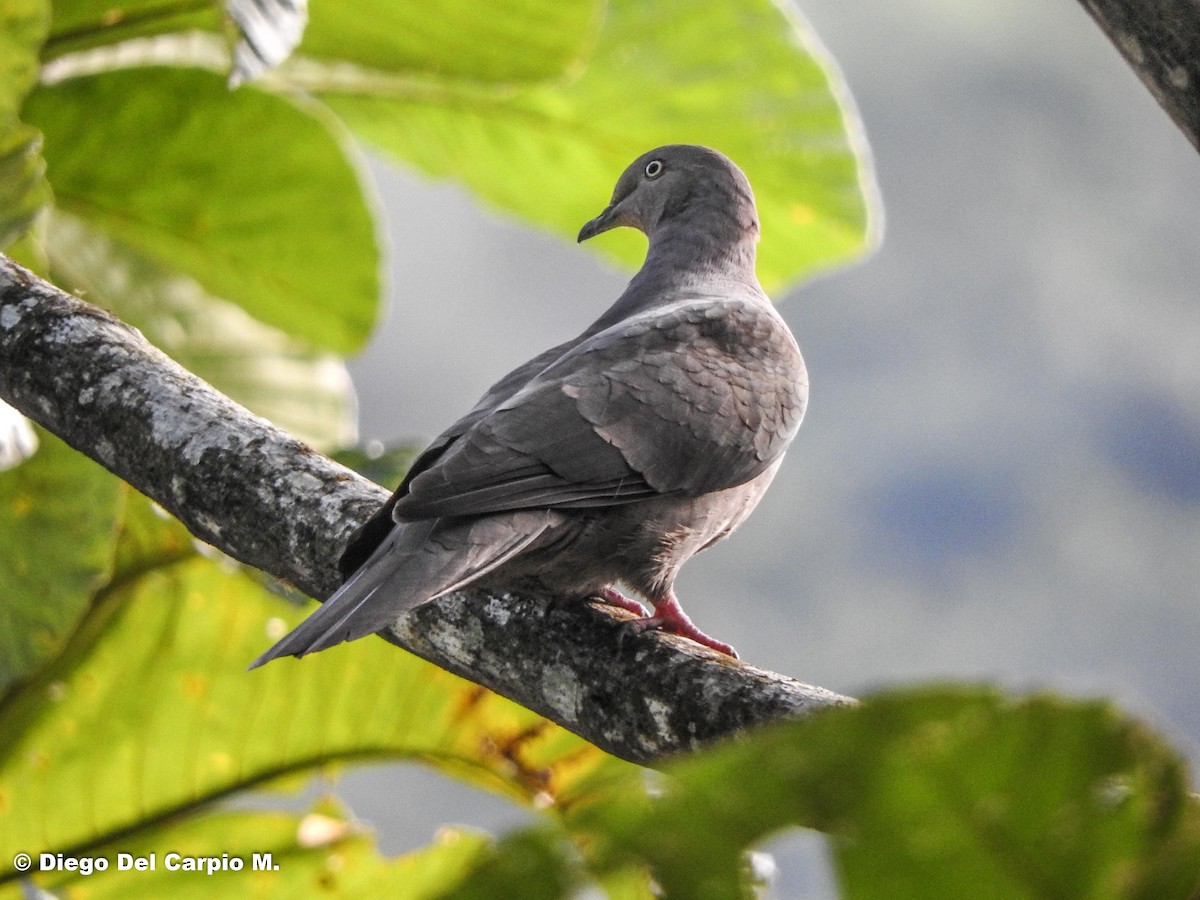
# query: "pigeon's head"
675,182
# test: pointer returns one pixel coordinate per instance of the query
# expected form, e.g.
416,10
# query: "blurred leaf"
152,713
23,26
926,793
255,197
426,872
81,24
345,864
541,862
386,466
737,75
58,515
499,42
150,538
533,864
27,250
23,189
269,31
306,392
503,42
1038,798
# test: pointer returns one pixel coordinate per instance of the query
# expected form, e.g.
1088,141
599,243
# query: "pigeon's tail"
417,562
340,616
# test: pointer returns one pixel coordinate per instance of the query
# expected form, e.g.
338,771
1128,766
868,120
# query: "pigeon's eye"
654,168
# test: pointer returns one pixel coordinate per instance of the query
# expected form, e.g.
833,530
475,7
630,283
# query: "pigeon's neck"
686,256
708,244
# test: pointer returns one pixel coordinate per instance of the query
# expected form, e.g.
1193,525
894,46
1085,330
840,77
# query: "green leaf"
541,862
382,465
82,24
498,42
306,392
533,863
1039,798
153,715
23,189
503,42
323,852
928,792
733,74
254,197
58,514
23,26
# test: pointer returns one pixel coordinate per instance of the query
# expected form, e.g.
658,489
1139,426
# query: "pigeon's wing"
697,396
389,569
376,529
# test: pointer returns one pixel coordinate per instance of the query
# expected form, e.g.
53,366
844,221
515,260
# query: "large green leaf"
930,794
251,195
500,42
58,515
154,715
80,24
305,391
322,853
734,74
533,864
23,190
497,42
23,26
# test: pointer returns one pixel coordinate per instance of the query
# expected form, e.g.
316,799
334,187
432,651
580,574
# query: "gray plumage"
612,457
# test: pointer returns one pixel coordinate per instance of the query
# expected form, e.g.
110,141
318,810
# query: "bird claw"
613,597
669,616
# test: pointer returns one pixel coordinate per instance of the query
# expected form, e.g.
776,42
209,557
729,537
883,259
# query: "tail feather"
317,632
417,562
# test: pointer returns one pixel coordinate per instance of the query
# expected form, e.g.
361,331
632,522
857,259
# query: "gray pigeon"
615,456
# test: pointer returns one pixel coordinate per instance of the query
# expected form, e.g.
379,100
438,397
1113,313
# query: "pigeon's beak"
602,223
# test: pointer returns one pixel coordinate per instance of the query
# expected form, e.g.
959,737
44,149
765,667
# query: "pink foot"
669,616
613,597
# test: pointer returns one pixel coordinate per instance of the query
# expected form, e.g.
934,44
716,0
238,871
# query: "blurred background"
999,475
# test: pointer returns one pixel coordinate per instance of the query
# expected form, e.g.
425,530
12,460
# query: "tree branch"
1160,39
268,500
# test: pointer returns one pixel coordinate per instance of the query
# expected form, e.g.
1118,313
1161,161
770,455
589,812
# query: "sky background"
998,478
